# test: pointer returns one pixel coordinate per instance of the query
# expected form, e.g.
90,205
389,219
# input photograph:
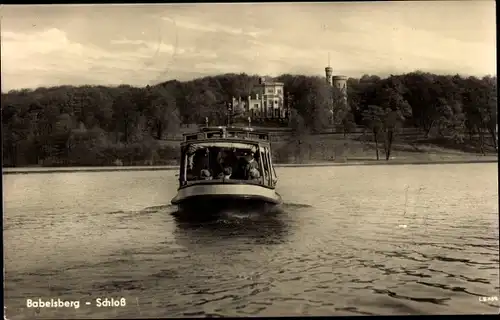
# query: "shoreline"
359,162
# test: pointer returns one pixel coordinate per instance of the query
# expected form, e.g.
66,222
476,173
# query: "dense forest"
98,125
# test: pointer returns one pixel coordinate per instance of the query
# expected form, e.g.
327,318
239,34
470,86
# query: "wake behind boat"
226,167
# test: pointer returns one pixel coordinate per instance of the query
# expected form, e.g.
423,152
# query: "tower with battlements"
338,107
338,81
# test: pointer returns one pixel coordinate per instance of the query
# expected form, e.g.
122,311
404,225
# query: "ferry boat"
226,166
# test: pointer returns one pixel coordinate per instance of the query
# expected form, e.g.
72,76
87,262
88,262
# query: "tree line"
99,125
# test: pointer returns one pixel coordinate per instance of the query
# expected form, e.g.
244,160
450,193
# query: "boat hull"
220,196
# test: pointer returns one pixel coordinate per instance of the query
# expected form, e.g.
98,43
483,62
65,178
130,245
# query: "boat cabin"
227,155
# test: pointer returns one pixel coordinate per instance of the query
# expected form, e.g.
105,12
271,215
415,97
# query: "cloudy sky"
147,44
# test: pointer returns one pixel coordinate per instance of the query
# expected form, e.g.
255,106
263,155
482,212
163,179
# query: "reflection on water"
341,249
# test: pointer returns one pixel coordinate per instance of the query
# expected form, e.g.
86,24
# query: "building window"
279,91
270,90
256,106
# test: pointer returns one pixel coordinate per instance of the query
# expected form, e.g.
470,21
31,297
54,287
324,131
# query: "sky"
148,44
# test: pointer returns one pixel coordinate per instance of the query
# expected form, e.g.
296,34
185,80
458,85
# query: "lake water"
350,240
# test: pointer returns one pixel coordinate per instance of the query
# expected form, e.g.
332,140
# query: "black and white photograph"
263,159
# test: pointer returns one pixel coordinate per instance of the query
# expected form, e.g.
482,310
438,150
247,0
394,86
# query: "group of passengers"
230,164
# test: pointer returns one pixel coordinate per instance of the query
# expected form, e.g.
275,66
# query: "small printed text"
61,303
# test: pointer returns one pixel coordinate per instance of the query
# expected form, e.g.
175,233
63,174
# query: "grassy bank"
340,148
360,147
323,149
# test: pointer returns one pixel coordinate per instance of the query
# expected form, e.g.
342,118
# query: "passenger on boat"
205,174
251,164
254,174
227,158
190,176
191,155
201,162
239,172
226,173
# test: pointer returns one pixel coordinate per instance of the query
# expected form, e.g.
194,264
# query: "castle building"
268,102
269,99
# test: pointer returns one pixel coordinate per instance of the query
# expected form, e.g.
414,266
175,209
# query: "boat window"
207,163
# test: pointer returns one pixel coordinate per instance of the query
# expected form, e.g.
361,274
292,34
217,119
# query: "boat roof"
221,134
222,144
